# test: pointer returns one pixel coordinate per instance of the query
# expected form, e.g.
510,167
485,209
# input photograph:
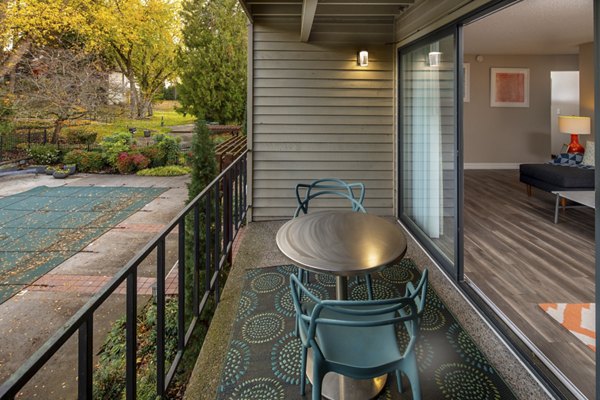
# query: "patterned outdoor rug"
579,319
42,227
263,359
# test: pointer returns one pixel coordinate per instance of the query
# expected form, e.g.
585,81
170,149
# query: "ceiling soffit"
326,11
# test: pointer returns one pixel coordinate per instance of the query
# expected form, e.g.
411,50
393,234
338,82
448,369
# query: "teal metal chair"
331,187
305,192
419,292
355,338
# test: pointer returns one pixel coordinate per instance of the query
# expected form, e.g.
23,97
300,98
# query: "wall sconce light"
434,58
363,58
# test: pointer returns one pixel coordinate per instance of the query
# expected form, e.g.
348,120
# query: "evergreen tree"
204,165
213,60
204,170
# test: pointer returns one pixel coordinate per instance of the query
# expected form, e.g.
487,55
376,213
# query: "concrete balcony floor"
258,249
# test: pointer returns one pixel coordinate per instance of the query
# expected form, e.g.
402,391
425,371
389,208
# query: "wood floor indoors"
519,258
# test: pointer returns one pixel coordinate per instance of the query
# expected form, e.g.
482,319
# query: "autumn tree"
213,60
141,38
60,84
39,22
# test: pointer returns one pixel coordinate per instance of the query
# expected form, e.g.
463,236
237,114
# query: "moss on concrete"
256,250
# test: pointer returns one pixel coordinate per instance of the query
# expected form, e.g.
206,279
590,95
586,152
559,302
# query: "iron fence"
9,142
215,217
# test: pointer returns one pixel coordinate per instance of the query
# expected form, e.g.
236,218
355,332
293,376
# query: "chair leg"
412,372
399,381
300,276
369,286
317,380
303,372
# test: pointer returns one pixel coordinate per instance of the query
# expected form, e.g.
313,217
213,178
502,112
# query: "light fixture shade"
434,58
363,58
572,124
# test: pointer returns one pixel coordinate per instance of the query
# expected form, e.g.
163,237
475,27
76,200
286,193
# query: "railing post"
217,243
45,136
86,357
196,290
236,194
227,211
207,239
29,138
160,318
181,291
245,180
131,337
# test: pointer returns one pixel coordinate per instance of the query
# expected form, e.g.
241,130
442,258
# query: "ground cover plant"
169,170
44,154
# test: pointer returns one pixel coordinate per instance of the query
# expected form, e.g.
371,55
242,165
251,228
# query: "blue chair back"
419,292
372,313
353,192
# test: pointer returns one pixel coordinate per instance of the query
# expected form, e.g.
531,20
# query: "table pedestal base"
337,386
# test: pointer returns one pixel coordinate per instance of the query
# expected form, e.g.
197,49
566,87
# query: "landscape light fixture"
574,125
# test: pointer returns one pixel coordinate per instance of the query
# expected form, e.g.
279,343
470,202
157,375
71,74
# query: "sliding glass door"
428,145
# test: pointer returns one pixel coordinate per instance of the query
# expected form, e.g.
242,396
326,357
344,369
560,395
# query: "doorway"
564,101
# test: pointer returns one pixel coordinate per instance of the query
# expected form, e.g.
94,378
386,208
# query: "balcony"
213,226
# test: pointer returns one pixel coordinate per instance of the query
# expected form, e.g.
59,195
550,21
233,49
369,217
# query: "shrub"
109,374
169,170
86,161
153,153
128,163
139,161
81,135
168,148
114,145
7,111
44,154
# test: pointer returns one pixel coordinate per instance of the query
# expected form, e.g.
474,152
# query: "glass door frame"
455,269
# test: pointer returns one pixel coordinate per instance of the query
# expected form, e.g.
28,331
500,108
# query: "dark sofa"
552,177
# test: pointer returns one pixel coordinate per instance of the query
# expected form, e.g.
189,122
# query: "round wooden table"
342,243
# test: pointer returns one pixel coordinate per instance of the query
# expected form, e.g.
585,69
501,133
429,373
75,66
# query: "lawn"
163,112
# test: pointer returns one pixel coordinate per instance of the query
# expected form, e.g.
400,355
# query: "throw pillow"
568,159
589,158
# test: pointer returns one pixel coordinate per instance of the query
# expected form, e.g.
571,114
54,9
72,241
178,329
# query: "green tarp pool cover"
44,226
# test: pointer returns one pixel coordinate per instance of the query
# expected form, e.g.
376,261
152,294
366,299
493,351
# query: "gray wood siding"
428,15
316,114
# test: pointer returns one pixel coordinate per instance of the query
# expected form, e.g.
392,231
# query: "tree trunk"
18,52
134,98
58,125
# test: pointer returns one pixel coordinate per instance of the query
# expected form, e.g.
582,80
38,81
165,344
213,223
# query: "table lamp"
574,125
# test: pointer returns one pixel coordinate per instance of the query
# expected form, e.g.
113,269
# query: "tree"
141,38
39,22
213,60
204,170
59,84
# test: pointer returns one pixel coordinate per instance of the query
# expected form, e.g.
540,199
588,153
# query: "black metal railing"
216,215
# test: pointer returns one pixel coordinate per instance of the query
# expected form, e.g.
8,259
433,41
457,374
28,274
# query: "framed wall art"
509,87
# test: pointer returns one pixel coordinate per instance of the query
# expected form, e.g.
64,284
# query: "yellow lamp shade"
574,125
